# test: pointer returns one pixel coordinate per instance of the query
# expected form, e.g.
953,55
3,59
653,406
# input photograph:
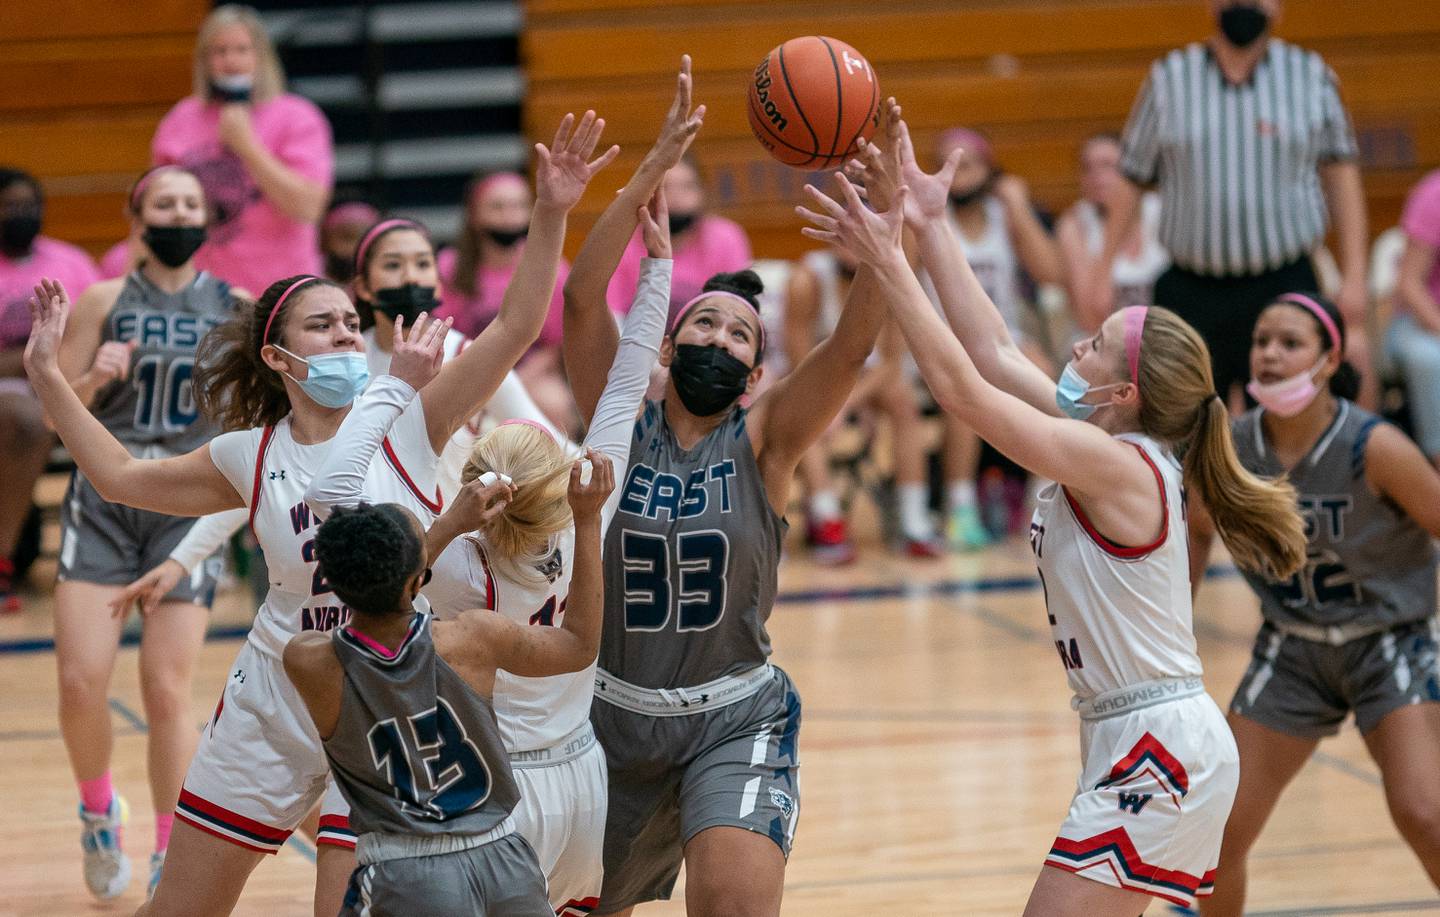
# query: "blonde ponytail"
540,471
1256,517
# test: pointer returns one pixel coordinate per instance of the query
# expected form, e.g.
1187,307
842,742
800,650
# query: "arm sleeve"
207,536
1337,137
340,481
1140,156
611,428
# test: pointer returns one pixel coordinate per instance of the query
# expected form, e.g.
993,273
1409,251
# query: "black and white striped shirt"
1236,164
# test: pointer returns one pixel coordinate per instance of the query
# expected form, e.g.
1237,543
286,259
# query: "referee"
1247,139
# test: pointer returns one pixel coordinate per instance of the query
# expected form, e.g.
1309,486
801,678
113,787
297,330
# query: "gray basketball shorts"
114,545
499,879
672,777
1306,689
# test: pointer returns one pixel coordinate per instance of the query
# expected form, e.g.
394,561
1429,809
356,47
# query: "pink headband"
531,423
1134,331
723,294
971,140
1305,302
378,230
275,309
354,211
143,182
494,179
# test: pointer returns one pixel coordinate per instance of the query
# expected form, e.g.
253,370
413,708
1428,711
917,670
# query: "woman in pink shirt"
264,156
25,257
475,273
1413,339
705,244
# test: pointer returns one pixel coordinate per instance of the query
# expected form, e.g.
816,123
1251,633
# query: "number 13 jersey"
691,558
1119,615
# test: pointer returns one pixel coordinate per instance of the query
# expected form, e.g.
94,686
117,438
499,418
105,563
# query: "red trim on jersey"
1120,550
225,817
1137,875
434,506
492,588
225,837
255,491
578,907
335,831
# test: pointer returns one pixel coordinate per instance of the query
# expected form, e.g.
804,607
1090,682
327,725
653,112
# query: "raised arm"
186,485
491,640
467,382
89,365
971,313
590,335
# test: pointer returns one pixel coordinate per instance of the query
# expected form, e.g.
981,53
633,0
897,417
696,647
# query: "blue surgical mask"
1071,388
334,380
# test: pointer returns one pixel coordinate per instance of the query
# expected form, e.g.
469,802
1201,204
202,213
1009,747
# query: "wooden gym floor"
939,750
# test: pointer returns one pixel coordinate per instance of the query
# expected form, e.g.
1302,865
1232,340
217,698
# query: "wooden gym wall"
82,85
1036,75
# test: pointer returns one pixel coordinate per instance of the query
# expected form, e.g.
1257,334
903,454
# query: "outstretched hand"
870,237
416,357
681,124
587,499
49,311
655,225
565,167
929,192
479,501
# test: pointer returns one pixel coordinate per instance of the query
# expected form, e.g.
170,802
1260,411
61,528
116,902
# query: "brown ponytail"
233,386
1256,517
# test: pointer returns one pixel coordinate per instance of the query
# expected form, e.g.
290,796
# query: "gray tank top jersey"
155,404
691,558
1368,561
416,750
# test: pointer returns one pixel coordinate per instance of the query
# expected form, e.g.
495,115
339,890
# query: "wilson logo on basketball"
767,104
811,99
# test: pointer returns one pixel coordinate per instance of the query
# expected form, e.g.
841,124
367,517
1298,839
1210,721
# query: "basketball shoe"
107,868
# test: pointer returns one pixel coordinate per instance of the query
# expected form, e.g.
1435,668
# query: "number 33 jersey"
691,558
271,471
154,405
1367,561
1119,615
416,749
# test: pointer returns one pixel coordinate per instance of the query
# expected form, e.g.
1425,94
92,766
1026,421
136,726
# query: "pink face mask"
1287,397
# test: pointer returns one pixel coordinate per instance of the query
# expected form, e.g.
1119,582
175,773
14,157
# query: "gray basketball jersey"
690,559
1368,561
155,404
416,750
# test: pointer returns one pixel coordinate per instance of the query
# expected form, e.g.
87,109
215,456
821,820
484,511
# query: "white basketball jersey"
457,450
271,471
1119,615
533,713
1134,274
992,258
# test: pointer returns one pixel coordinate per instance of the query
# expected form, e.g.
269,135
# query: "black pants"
1224,310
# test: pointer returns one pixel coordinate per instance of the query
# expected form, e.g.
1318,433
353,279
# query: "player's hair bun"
746,284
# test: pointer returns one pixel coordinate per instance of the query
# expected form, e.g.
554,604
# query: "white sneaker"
157,863
107,868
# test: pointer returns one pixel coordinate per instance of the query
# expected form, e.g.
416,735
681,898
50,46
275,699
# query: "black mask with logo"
17,233
406,301
1243,23
172,246
707,378
507,238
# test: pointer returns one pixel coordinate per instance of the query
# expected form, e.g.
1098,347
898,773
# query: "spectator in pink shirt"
120,258
264,156
705,244
1413,338
475,273
25,257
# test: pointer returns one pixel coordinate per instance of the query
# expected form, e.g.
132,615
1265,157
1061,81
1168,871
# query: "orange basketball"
811,99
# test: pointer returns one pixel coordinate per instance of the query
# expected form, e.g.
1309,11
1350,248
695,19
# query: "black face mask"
707,379
1242,24
978,193
507,238
17,232
339,268
172,246
224,94
679,222
406,301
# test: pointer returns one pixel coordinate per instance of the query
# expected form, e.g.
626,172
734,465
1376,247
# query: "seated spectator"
264,156
1081,234
705,244
1413,338
475,273
340,232
25,257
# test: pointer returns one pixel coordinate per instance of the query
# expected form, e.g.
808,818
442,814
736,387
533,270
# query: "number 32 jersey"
691,558
271,471
1119,615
